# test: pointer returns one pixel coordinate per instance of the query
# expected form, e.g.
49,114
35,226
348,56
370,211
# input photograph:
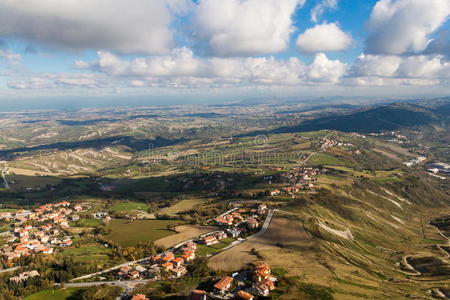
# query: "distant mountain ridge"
389,117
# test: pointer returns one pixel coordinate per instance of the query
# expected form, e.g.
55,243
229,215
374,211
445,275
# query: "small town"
38,231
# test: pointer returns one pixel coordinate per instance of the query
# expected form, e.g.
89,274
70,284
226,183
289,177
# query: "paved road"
122,283
129,263
259,233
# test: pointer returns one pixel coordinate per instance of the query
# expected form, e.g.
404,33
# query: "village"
173,263
298,180
38,231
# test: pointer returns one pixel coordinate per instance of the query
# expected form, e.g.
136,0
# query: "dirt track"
185,232
285,232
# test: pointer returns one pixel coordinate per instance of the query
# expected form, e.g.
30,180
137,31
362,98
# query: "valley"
357,213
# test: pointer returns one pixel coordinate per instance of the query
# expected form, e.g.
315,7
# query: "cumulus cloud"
322,38
245,27
404,26
389,69
325,70
182,63
320,8
138,26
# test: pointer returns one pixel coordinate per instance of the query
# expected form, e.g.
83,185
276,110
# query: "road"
315,152
122,283
259,233
129,263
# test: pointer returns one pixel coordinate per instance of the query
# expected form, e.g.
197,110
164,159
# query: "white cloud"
59,80
322,38
404,26
385,66
138,26
325,70
245,27
10,57
376,65
320,8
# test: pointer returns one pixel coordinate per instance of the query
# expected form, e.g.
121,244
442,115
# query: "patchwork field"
129,233
185,232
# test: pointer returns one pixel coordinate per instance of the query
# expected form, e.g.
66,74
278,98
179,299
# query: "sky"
77,51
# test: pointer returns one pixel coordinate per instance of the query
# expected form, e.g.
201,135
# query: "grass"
8,210
128,206
4,228
203,250
89,223
322,159
22,182
61,294
128,233
183,205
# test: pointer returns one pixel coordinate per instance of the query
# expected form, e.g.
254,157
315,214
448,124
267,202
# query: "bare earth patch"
285,245
185,232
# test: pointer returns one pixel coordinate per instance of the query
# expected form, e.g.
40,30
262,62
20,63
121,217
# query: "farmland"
129,233
57,294
181,206
185,232
129,206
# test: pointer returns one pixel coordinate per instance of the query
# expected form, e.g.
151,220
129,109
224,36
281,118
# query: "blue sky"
223,49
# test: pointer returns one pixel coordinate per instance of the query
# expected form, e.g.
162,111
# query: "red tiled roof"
223,282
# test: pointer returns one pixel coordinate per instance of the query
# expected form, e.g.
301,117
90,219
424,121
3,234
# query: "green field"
203,250
62,294
89,223
127,206
90,253
183,205
7,210
129,233
322,159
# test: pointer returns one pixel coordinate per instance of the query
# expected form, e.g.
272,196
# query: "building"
188,255
167,266
234,233
224,284
251,223
243,295
264,287
261,271
197,295
139,297
178,272
178,262
210,240
221,235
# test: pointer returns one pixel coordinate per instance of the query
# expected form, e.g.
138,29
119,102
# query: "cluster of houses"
173,264
38,231
298,179
168,263
24,276
415,161
262,283
236,222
